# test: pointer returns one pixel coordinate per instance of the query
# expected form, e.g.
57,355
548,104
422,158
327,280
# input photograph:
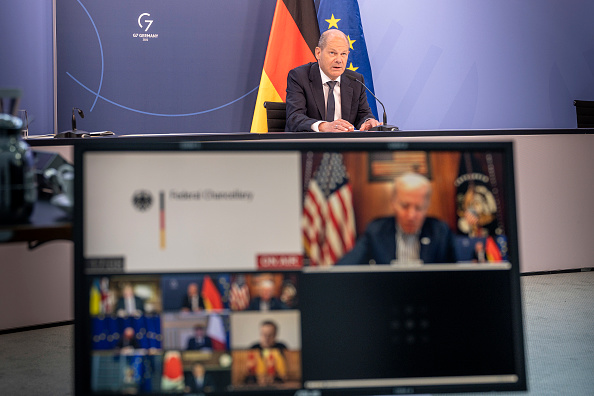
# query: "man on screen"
266,301
192,301
200,341
268,332
270,366
129,303
409,236
128,341
199,380
320,95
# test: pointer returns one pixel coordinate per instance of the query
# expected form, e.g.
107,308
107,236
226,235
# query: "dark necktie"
330,104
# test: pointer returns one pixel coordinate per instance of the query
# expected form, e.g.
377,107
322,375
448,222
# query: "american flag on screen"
328,221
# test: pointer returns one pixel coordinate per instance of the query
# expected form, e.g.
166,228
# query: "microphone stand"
385,126
74,133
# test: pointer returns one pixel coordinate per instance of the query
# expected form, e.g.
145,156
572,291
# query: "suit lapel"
315,83
425,241
386,248
346,97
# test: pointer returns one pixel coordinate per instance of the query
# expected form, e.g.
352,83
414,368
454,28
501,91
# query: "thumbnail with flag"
328,221
293,38
95,299
344,15
217,332
211,295
479,203
100,303
173,372
213,302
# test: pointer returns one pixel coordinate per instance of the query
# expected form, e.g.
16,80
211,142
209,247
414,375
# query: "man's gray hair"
411,180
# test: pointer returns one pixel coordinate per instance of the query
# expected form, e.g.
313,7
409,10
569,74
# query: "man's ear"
318,51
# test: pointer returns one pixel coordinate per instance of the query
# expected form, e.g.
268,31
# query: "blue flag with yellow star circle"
344,15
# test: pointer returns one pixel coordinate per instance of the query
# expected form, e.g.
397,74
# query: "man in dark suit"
200,341
268,333
409,236
192,301
321,97
199,380
128,341
272,356
266,301
129,303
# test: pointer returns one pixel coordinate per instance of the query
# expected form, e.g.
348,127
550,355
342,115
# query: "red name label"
280,261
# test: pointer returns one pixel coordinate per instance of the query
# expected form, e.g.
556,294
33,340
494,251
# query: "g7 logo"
149,21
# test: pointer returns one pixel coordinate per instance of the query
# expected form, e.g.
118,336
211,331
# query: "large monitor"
304,268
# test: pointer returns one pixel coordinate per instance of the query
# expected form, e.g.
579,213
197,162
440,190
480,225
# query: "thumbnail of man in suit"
128,341
269,366
192,301
265,301
199,380
268,332
479,254
200,341
409,236
322,96
128,303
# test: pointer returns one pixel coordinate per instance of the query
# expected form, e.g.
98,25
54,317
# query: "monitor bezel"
82,366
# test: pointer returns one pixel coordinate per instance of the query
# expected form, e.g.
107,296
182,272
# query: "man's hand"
336,126
370,123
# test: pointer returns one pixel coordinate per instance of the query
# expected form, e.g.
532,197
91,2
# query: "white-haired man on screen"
409,236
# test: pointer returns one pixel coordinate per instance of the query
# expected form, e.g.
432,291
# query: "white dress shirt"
337,104
408,247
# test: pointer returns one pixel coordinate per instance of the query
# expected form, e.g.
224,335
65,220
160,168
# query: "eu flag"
344,15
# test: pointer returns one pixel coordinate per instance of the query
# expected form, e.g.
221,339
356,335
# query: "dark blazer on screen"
378,243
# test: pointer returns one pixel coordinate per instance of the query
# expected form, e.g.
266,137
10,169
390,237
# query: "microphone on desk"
80,113
75,133
385,126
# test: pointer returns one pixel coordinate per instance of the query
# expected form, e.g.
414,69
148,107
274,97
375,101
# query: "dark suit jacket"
275,304
187,304
194,345
305,98
139,302
124,342
208,383
378,243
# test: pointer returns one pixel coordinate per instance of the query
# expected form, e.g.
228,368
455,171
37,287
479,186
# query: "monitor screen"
304,268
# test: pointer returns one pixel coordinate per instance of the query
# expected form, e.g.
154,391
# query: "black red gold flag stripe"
162,235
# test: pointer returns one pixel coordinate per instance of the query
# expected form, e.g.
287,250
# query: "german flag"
211,295
492,250
293,38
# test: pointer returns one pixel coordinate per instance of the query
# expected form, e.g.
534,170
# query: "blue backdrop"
159,66
26,58
437,64
450,64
